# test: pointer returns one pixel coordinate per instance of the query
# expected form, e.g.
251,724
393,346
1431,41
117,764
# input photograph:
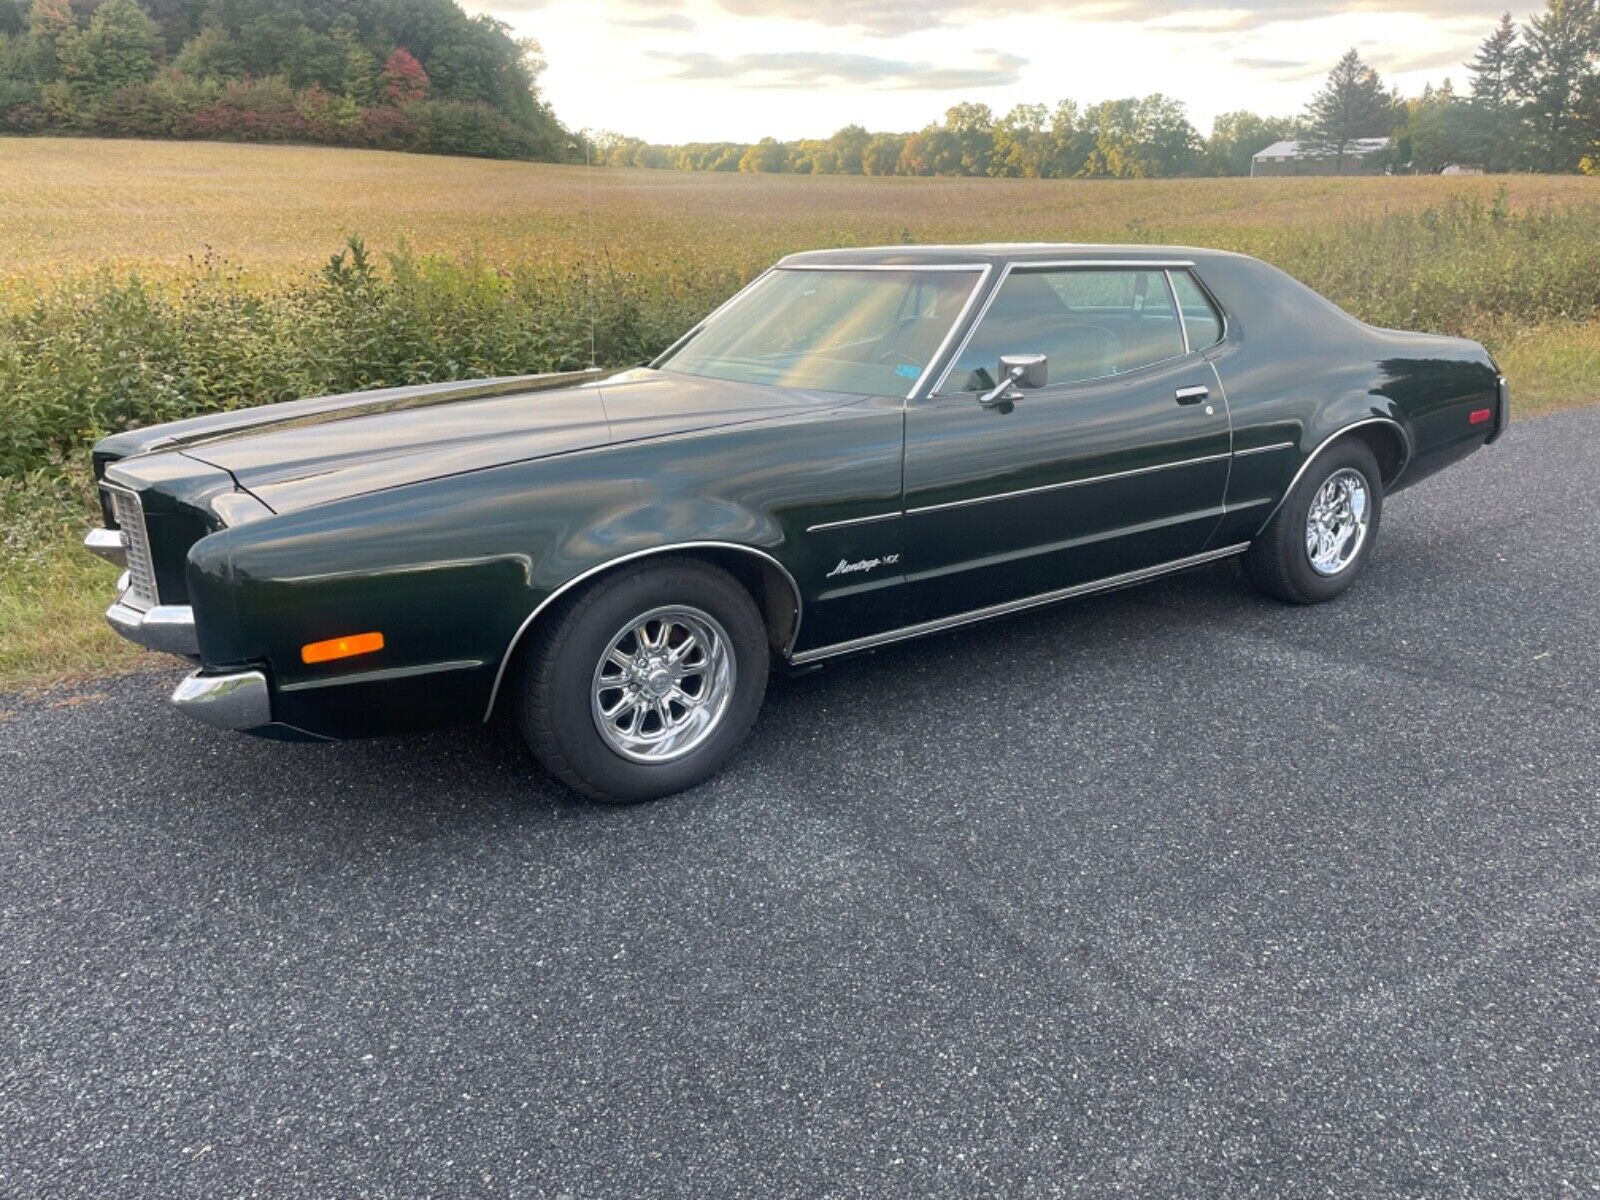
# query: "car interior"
1088,324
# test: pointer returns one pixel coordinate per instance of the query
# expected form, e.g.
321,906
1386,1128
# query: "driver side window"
1089,323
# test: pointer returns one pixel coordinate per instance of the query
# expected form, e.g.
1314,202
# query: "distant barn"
1362,156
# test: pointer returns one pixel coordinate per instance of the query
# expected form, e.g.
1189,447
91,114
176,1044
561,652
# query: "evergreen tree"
361,75
1562,45
1352,104
1496,115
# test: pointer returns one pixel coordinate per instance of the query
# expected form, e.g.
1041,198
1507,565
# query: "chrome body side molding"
1070,483
1263,449
888,516
999,610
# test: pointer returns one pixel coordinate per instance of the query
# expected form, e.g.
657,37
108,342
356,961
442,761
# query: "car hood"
298,455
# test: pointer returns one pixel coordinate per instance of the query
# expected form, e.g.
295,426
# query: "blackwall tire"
644,683
1319,539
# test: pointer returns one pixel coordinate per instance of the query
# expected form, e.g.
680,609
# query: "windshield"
866,332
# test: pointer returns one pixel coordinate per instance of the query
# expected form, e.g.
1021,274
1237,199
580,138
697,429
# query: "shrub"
110,352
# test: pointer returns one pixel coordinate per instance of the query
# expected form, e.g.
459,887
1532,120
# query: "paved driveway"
1174,892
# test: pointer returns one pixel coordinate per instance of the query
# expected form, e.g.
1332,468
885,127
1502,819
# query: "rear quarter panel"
1297,370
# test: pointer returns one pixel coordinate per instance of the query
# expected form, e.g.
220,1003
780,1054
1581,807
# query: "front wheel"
645,683
1316,543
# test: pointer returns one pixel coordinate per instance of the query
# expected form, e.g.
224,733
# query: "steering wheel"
884,358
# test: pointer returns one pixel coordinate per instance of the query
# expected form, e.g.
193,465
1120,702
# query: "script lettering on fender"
861,566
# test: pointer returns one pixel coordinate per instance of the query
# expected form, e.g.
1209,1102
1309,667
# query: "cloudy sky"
706,70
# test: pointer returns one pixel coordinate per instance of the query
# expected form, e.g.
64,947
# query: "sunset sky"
703,70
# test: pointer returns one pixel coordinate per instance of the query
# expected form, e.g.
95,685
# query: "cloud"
815,68
665,22
895,17
1275,64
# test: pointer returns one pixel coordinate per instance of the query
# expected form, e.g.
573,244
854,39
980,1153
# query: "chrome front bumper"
168,628
109,544
241,701
238,701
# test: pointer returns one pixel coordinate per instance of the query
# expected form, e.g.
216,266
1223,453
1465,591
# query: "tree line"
1533,104
397,74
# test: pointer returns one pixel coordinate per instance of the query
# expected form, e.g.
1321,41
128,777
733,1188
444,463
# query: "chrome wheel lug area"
663,684
1337,522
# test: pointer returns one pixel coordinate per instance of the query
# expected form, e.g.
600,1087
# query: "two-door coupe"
861,446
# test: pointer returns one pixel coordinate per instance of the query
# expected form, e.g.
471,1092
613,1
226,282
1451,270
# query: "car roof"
992,254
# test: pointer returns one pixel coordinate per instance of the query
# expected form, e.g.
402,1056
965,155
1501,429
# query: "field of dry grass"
71,204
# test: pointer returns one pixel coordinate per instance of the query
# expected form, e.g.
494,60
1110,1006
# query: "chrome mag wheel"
1336,526
663,684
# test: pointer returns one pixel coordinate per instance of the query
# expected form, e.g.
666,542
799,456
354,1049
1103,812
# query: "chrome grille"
129,514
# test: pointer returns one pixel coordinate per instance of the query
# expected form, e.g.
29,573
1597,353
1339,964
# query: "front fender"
449,571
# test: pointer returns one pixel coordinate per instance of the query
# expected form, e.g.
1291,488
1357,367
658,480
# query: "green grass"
1550,366
52,623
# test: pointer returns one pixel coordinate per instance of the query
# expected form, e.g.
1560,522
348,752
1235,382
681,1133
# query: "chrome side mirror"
1016,371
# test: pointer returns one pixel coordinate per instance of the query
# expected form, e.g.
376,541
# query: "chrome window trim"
1070,483
1264,449
1177,312
782,266
888,516
1159,265
505,659
1010,606
1211,299
955,328
1405,439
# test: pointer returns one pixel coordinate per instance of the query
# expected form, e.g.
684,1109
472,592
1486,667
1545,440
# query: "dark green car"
862,446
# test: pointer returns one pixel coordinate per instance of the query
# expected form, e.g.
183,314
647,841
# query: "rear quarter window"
1201,321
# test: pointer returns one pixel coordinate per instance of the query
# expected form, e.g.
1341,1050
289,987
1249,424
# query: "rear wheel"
1318,540
645,682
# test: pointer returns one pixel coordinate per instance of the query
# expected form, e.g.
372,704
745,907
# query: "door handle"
1193,395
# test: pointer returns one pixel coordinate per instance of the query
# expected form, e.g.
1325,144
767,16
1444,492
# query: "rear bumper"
238,701
1502,410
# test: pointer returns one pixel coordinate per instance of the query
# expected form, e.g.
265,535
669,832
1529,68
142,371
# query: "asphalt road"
1175,892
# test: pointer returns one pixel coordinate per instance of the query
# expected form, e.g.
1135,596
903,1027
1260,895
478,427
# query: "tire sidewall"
595,620
1304,577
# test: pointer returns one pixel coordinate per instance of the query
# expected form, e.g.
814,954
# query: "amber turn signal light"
341,647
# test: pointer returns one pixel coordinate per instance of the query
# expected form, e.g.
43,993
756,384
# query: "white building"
1362,156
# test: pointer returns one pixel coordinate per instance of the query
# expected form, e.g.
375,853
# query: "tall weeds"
111,351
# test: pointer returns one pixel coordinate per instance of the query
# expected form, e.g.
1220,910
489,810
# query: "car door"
1117,464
